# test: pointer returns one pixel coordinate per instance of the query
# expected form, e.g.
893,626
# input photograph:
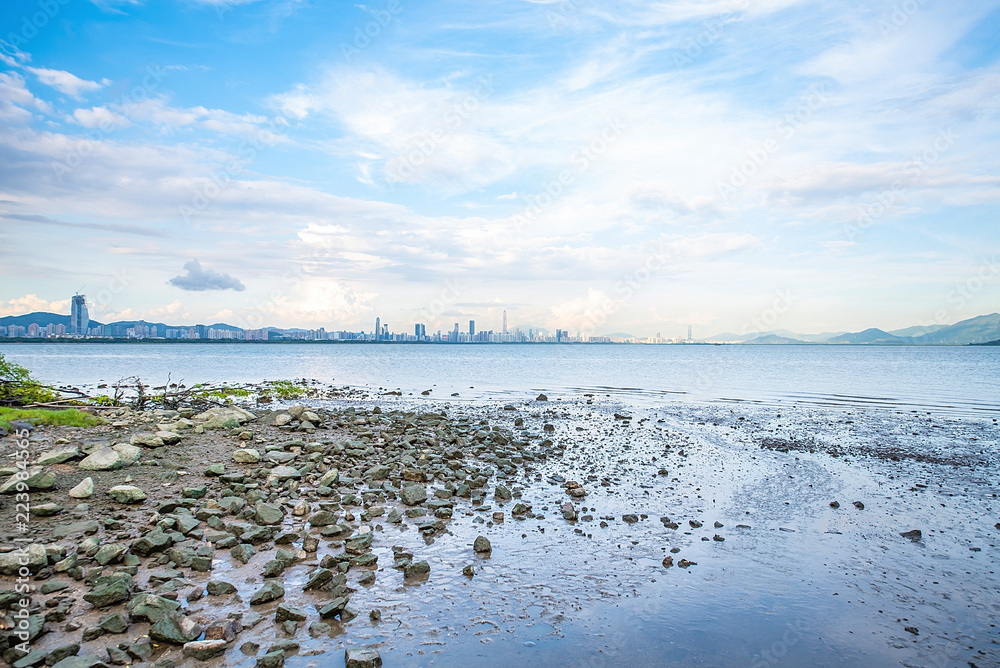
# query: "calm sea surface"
954,380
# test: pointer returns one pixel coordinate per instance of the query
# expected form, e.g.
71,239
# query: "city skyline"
979,329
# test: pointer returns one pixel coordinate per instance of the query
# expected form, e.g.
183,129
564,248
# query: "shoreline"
700,464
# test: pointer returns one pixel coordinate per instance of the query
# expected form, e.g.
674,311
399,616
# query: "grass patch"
285,389
67,418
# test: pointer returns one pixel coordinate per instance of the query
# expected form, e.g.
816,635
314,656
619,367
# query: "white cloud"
99,117
32,303
15,98
65,82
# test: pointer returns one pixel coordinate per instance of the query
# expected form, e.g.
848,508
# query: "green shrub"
17,387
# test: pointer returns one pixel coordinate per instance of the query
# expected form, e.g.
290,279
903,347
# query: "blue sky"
598,167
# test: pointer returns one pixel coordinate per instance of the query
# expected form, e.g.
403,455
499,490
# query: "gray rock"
105,459
127,494
271,591
203,650
482,545
268,514
81,662
168,437
275,659
105,595
220,588
34,554
176,629
58,455
146,440
150,608
413,495
83,490
246,456
37,480
363,657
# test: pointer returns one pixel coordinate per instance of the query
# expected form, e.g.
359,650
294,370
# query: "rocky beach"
371,528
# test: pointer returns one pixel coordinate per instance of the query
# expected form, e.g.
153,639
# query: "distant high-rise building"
472,328
385,332
505,321
79,319
378,328
690,338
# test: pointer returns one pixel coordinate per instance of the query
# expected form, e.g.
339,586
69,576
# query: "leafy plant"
285,389
17,387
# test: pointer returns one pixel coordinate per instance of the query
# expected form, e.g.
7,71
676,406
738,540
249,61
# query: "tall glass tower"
79,319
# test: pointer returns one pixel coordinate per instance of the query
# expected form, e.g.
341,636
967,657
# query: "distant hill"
772,339
981,329
988,343
873,335
916,330
41,318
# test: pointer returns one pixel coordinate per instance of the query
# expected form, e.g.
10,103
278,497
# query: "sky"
628,166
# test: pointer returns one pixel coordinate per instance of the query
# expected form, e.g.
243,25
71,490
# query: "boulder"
105,459
146,440
83,490
34,554
58,455
102,596
35,479
203,650
413,495
363,657
482,545
175,628
246,456
168,437
268,514
127,494
271,591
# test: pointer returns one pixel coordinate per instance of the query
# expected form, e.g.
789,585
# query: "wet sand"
794,581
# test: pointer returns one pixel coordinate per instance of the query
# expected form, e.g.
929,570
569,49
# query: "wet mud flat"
675,535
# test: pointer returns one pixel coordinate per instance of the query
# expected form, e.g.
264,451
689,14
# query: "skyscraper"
79,319
472,329
378,328
690,338
505,322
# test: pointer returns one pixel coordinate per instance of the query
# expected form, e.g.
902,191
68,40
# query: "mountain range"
981,329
